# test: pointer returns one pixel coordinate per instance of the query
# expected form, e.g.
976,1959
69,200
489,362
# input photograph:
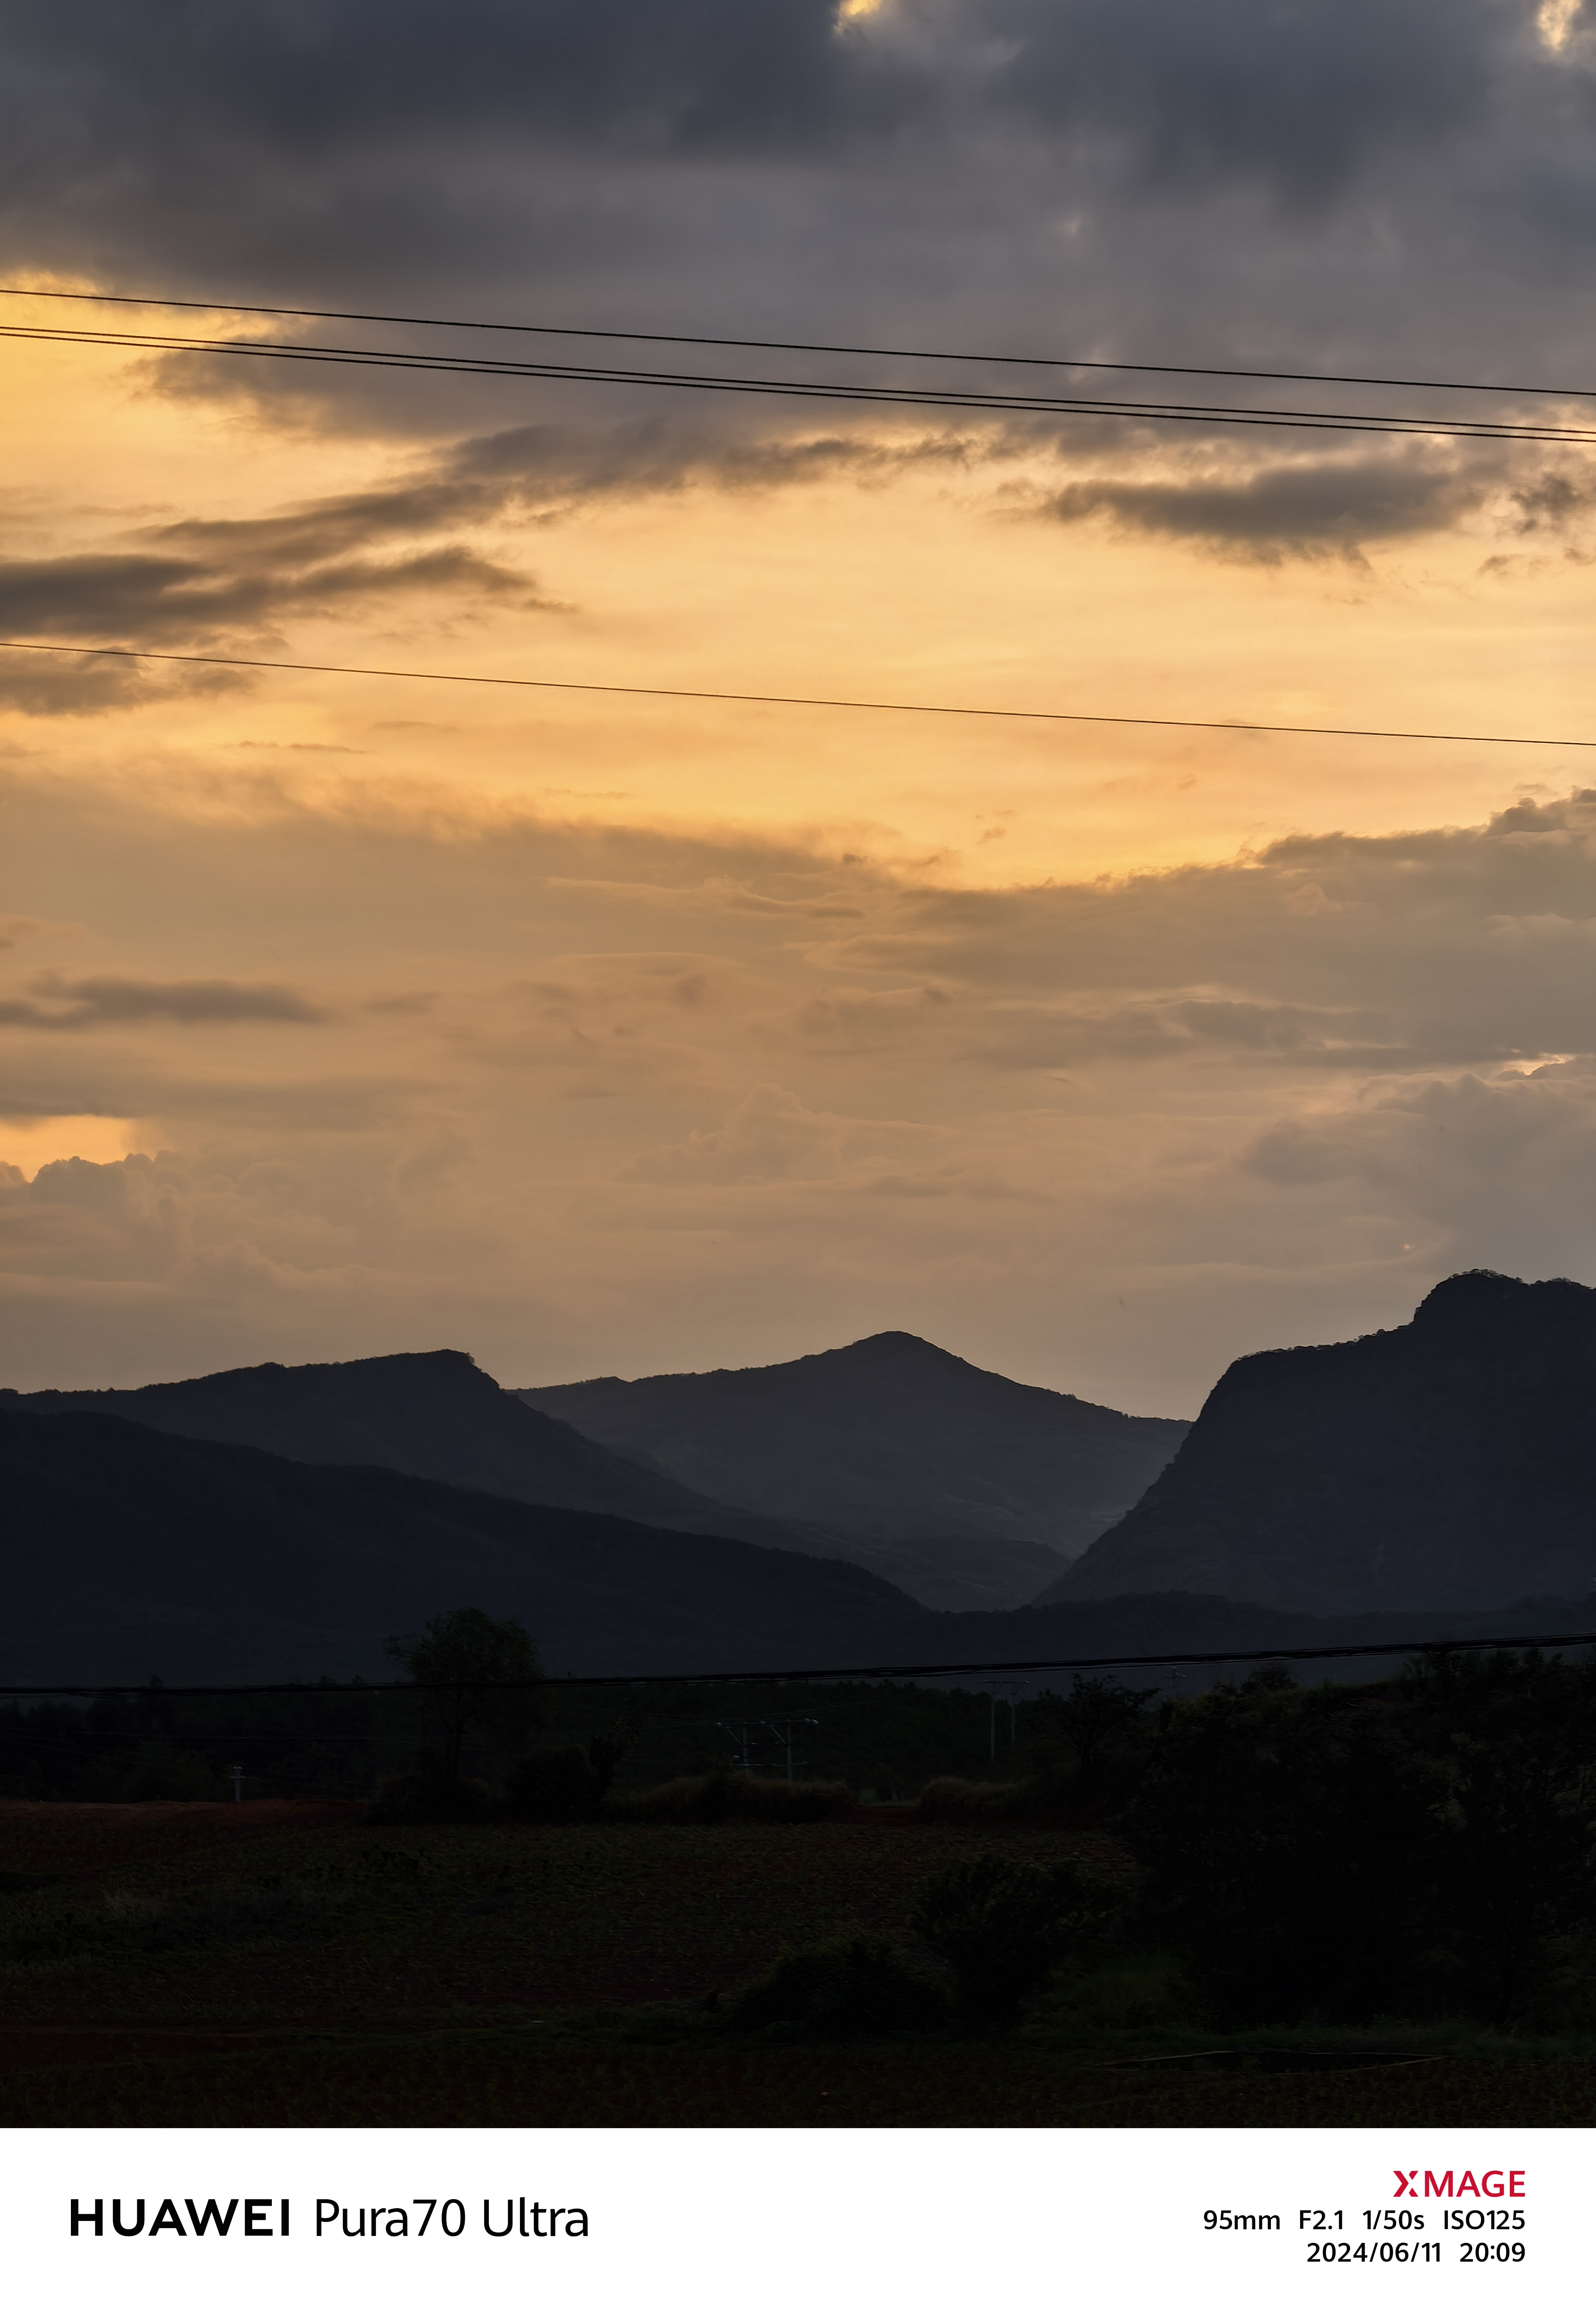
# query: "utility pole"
747,1736
1007,1692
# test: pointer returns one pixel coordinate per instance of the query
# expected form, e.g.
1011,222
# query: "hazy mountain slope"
966,1488
127,1552
434,1415
1451,1463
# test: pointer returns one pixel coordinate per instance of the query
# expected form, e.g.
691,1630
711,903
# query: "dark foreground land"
279,1962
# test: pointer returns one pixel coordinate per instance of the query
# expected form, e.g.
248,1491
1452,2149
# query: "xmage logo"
1444,2185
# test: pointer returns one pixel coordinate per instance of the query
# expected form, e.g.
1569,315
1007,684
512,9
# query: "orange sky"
592,1033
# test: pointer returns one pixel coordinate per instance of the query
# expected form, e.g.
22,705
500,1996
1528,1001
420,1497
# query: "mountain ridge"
113,1568
967,1487
114,1572
1446,1463
434,1415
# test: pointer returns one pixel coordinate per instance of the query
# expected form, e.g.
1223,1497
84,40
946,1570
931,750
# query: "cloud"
1299,99
1323,508
228,584
1228,1094
79,1004
1500,1171
721,895
191,599
771,1137
548,465
705,77
108,125
1241,181
1406,952
16,929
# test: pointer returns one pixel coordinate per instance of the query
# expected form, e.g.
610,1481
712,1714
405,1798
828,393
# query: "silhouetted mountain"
965,1488
1450,1463
126,1552
434,1415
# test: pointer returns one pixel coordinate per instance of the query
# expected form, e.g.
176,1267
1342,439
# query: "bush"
707,1800
1003,1927
566,1785
961,1800
424,1796
162,1770
844,1990
1413,1851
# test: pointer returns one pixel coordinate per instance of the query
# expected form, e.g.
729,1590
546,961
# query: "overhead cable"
1470,1642
789,345
876,395
809,703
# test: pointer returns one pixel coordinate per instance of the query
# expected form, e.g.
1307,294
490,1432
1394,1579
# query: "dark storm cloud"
142,106
278,139
1322,183
78,1004
302,80
1293,94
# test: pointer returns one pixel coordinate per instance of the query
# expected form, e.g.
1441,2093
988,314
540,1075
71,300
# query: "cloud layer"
663,1039
1106,1134
1243,183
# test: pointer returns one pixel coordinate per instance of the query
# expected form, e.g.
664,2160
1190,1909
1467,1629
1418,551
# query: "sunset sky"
600,1034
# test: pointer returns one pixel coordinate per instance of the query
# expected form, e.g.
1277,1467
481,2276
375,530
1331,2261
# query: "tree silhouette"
1088,1716
477,1672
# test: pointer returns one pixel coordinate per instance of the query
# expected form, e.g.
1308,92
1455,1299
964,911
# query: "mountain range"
278,1522
131,1552
434,1415
968,1490
128,1551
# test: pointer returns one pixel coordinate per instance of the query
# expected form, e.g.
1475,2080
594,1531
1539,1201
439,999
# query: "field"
282,1963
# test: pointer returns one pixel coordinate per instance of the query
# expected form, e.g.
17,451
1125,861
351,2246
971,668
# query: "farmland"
285,1963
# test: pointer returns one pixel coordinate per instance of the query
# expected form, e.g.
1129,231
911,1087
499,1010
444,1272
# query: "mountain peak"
1482,1300
892,1345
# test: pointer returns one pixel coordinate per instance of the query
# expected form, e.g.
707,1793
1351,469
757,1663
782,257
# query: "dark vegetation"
1264,1902
1420,1850
881,1742
968,1490
1447,1464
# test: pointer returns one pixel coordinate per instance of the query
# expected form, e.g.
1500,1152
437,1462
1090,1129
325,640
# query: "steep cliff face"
1451,1463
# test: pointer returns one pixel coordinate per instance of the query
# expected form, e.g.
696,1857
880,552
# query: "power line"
790,388
781,344
1476,1641
812,704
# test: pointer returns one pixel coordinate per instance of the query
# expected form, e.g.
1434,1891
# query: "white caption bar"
793,2217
